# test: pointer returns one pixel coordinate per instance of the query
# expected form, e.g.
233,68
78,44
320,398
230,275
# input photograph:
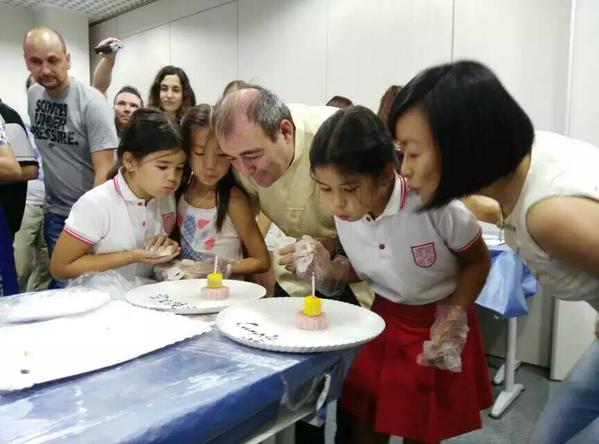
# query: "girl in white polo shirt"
477,139
425,377
214,215
124,223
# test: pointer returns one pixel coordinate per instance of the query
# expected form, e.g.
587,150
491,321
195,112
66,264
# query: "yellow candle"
312,306
215,280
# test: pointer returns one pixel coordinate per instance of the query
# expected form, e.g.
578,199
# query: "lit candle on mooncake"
215,290
312,317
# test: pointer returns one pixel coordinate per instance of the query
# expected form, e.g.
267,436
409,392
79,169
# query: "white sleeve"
86,222
21,146
456,225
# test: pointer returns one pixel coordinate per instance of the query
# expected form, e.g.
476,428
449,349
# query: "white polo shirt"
112,219
405,255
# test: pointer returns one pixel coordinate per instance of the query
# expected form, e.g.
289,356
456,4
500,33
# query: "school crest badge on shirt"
424,255
168,220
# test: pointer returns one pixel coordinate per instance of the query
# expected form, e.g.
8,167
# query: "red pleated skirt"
387,388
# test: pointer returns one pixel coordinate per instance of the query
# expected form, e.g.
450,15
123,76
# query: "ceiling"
96,10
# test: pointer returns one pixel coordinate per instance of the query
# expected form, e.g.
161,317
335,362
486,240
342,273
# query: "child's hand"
448,337
196,270
286,257
309,257
145,256
306,257
162,245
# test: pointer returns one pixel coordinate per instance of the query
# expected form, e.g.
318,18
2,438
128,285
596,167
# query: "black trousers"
306,433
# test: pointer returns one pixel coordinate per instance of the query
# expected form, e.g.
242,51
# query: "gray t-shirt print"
67,129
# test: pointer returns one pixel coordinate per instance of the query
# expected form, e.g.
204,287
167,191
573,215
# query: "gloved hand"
197,270
448,337
162,246
312,258
170,271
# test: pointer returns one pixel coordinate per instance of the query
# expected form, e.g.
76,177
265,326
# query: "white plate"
270,324
51,304
183,297
45,351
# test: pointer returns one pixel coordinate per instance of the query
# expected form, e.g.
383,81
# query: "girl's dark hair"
481,132
148,131
355,141
387,101
339,102
189,98
198,117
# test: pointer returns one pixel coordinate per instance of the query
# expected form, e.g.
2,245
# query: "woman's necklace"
503,224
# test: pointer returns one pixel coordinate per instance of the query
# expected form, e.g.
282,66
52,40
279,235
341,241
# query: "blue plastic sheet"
203,390
508,285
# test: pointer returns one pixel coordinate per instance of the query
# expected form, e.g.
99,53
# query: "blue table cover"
508,285
204,390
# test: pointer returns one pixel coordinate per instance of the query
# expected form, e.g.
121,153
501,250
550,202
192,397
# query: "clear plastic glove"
110,281
310,257
197,270
170,271
448,337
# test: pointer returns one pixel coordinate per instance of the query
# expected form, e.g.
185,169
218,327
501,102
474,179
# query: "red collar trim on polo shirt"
404,192
115,182
398,199
123,190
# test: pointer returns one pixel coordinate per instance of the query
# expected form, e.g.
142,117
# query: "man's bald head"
44,35
47,58
252,104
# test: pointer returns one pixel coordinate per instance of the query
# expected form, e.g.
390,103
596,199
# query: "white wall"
526,44
310,50
370,48
14,23
584,116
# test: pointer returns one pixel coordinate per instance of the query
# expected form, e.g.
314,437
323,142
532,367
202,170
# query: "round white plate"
270,324
183,297
51,304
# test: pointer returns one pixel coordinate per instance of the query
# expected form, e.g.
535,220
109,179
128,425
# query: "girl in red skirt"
425,377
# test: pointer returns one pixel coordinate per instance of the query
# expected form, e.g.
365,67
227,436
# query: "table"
209,389
204,390
505,292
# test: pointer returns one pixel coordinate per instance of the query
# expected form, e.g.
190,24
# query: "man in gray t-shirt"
73,127
68,130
